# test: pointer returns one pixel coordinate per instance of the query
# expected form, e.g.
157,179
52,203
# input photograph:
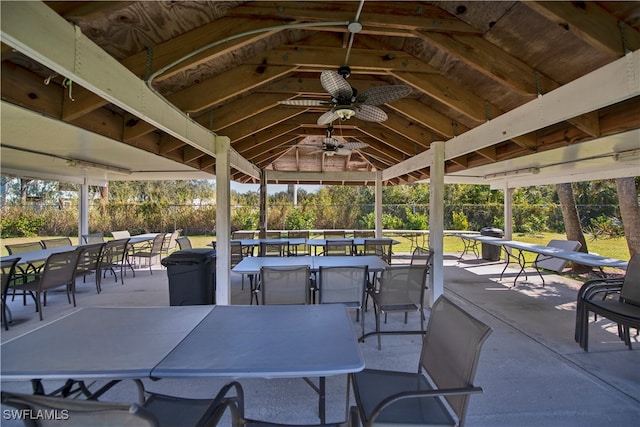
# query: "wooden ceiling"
227,64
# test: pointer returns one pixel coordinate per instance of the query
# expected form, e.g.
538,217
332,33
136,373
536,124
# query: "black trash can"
491,252
192,276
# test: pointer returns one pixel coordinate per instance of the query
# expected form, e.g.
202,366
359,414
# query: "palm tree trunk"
572,221
628,200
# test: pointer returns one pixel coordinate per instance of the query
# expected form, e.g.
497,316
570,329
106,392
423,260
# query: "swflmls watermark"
36,414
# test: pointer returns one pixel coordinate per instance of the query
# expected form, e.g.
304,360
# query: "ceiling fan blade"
370,113
383,94
336,85
304,102
327,117
354,145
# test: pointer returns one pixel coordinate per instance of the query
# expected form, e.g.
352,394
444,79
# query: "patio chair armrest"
592,288
422,393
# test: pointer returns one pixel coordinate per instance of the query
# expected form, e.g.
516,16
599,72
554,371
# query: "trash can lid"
189,256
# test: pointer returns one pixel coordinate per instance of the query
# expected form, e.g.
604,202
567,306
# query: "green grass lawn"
613,248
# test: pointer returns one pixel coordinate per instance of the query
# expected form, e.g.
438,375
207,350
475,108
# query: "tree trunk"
572,221
23,191
628,200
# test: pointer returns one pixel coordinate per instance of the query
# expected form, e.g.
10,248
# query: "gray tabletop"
272,341
93,343
38,256
252,265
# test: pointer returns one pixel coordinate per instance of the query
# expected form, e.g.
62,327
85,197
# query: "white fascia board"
37,31
293,176
24,173
615,82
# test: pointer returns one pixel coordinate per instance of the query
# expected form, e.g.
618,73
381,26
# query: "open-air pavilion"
504,93
509,93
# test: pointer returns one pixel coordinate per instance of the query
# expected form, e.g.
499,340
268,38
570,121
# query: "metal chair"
184,243
284,285
619,302
399,290
154,251
93,238
379,247
334,234
301,249
89,262
438,394
8,270
24,273
170,242
274,248
364,234
338,247
56,243
122,234
344,285
156,411
114,256
59,270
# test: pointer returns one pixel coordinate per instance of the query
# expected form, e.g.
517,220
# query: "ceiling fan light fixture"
345,113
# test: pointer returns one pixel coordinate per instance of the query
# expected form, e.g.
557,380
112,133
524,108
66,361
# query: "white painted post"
378,204
223,222
436,221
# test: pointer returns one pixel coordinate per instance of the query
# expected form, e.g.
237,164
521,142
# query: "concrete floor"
532,371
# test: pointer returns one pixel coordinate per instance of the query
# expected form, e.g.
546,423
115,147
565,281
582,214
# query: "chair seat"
175,411
615,310
399,307
373,386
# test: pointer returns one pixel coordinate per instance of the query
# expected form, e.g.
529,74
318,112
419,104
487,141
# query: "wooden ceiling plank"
191,154
263,136
237,111
22,87
492,61
528,141
259,122
263,151
183,45
416,16
589,22
449,93
359,59
243,78
169,144
410,130
88,11
135,127
426,117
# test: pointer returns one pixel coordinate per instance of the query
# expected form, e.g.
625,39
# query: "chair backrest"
421,256
365,234
334,234
114,252
451,349
402,284
338,247
557,264
8,268
236,253
631,286
379,247
157,244
122,234
285,285
298,234
93,238
89,258
19,248
77,412
56,243
274,248
243,235
184,242
343,285
273,235
60,269
170,240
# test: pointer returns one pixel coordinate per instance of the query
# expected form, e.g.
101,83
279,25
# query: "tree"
628,199
572,220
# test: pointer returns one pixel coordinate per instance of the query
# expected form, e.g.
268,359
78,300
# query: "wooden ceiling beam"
426,117
80,102
259,122
263,137
590,23
172,50
412,131
216,90
237,111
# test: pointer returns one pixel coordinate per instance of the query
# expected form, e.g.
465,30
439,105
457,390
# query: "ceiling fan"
346,102
332,146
